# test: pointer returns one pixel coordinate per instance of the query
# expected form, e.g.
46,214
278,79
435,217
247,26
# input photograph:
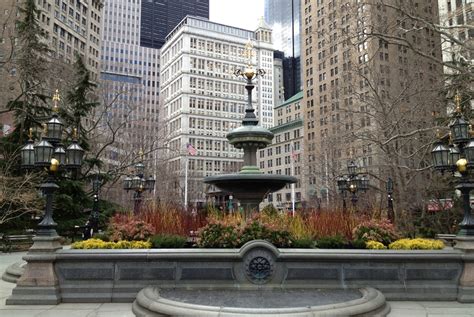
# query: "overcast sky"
240,13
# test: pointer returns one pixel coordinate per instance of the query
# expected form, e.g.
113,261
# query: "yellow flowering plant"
375,245
122,244
416,244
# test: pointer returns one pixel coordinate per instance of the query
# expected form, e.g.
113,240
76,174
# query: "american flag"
294,155
191,149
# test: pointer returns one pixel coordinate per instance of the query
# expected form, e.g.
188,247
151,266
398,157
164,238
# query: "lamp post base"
466,281
38,285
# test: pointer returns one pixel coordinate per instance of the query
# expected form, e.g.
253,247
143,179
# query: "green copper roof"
291,100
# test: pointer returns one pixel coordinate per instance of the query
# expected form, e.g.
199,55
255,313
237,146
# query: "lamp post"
352,182
390,212
94,217
458,158
138,183
49,154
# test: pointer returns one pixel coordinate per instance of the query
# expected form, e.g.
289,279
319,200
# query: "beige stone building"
202,100
285,156
371,80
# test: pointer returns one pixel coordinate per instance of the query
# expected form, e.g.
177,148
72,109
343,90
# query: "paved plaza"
399,309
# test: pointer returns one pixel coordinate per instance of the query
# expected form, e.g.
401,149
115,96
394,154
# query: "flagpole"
292,172
292,188
186,182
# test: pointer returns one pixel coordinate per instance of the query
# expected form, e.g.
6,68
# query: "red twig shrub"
331,223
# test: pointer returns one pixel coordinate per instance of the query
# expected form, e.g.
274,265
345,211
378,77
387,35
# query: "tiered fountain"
250,185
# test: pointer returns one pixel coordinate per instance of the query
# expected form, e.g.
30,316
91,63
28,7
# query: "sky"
240,13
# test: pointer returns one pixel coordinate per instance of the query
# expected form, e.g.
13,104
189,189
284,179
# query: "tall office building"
362,91
203,99
134,32
284,18
129,85
159,17
70,27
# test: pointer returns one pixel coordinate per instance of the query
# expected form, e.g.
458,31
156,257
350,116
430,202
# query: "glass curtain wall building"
159,17
133,32
284,17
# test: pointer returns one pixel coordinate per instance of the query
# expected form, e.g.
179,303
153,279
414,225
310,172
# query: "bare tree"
18,194
386,69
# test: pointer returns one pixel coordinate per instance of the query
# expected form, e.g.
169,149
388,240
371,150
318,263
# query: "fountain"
250,185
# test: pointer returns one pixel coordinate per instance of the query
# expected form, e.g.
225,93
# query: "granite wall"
118,275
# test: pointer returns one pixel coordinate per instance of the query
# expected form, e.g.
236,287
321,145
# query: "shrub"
374,245
332,242
101,236
304,243
376,230
416,244
270,210
218,235
128,227
255,230
168,241
358,244
231,232
99,244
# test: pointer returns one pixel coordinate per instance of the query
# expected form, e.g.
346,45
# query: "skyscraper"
129,87
134,32
159,17
370,74
284,18
203,99
70,28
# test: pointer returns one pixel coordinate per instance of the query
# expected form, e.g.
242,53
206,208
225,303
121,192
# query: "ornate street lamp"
74,153
28,153
351,183
49,154
440,155
138,183
459,160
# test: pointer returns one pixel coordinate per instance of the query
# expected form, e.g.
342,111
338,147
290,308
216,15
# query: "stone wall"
118,275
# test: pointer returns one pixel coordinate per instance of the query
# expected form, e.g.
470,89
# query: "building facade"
364,87
284,18
70,28
203,100
278,77
285,155
159,17
455,16
130,76
129,87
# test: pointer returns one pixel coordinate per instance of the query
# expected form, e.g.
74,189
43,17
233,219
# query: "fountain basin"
251,188
367,301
